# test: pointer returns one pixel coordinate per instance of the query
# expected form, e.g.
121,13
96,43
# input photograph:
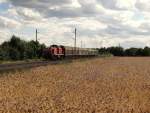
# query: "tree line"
120,51
17,49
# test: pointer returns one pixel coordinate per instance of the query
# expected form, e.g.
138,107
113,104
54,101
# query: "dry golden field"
102,85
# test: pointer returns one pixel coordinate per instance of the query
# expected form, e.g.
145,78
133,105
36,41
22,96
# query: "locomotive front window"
60,51
54,51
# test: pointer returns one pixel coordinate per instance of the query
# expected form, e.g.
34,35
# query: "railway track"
25,65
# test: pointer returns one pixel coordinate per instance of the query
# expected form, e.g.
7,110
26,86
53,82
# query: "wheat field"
101,85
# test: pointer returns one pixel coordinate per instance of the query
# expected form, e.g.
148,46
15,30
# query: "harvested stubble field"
103,85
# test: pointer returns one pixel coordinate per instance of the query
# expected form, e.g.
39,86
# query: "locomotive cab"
54,52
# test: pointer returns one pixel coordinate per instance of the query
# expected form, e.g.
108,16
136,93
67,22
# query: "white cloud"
143,5
98,21
118,4
2,1
126,4
29,14
5,35
8,23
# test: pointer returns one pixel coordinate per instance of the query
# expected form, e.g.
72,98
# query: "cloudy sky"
99,23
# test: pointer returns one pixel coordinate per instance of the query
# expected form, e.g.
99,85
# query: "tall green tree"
17,49
146,51
131,52
116,51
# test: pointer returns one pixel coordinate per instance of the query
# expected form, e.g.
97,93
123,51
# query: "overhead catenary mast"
119,45
75,41
36,36
36,32
81,43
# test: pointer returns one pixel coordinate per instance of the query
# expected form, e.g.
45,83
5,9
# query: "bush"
116,51
119,51
17,49
146,51
14,54
3,54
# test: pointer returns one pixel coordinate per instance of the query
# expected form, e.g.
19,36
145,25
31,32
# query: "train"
56,52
